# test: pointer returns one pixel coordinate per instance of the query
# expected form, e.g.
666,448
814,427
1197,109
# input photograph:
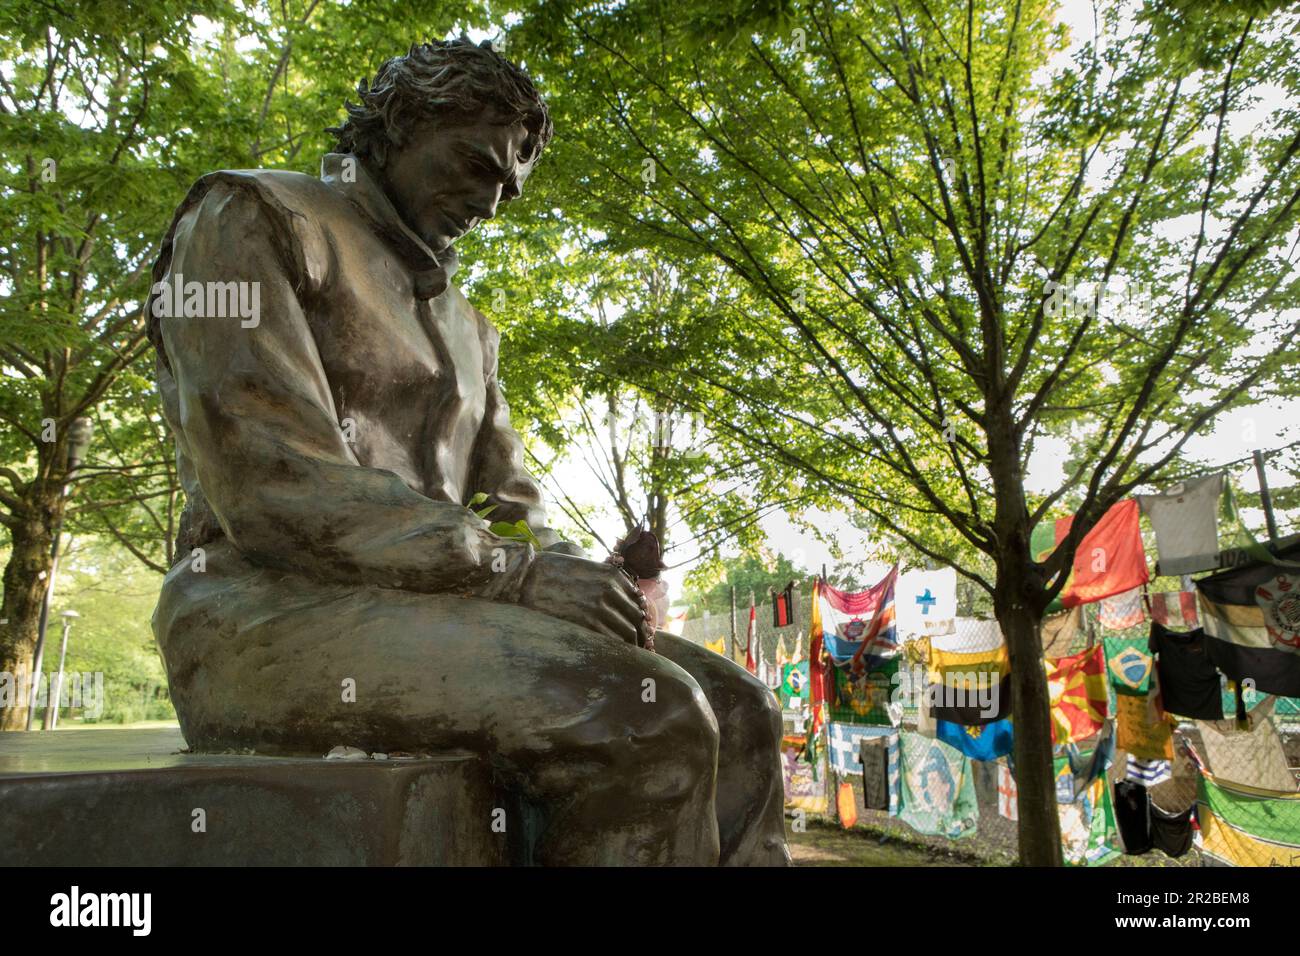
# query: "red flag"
816,665
751,660
1109,560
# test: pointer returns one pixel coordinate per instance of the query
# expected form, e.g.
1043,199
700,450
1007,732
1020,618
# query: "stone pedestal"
129,798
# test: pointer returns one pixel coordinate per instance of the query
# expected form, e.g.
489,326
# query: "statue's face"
445,180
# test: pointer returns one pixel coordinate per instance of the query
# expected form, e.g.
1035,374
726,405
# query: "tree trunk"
26,577
1015,603
1018,603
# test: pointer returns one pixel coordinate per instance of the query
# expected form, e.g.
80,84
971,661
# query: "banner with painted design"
938,788
1139,730
867,698
1089,836
857,631
1251,616
927,602
805,787
1247,826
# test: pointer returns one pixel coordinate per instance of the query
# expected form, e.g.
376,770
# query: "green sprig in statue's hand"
518,530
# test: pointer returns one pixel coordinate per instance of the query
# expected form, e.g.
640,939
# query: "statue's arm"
499,456
260,425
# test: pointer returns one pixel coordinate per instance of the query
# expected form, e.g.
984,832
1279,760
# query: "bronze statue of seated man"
332,588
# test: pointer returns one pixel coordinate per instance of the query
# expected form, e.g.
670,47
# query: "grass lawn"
823,845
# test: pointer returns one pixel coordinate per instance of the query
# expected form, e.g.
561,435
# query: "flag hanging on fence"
1109,559
857,630
845,745
1122,611
970,689
783,606
751,640
927,602
1148,772
1176,610
985,742
1008,805
1080,698
1089,836
938,788
867,698
1251,618
846,805
1254,757
794,684
1247,826
718,647
1129,664
805,788
817,665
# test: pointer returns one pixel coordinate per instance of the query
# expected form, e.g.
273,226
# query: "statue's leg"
611,749
751,791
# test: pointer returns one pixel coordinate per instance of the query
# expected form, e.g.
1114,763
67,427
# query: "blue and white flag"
1148,772
926,602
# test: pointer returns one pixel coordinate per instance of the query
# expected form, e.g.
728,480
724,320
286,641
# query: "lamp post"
56,686
78,443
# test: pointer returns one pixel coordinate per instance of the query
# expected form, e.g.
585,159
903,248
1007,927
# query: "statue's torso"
406,375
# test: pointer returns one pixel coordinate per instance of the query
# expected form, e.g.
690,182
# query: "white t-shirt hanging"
1185,519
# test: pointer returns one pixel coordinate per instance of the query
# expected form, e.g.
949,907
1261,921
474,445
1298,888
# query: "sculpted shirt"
339,430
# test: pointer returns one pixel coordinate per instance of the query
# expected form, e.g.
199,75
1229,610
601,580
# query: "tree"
108,113
577,329
709,589
82,92
957,234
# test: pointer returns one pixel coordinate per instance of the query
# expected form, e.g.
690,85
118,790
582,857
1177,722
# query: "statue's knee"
762,712
682,724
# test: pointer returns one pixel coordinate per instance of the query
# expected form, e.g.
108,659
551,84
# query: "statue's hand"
588,593
567,547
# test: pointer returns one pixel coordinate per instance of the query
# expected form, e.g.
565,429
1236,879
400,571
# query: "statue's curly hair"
445,80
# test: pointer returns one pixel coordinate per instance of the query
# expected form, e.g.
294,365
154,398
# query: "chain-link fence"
968,805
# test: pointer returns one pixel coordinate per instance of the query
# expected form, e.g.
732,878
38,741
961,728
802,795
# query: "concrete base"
129,798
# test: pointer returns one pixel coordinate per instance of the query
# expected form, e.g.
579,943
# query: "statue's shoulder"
294,206
286,194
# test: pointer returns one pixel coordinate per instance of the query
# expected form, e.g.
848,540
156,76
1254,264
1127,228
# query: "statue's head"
451,130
